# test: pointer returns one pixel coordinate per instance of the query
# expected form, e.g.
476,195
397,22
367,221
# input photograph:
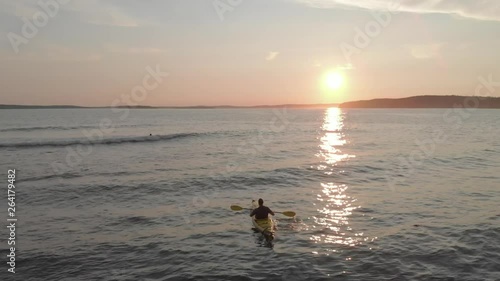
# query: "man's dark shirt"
261,212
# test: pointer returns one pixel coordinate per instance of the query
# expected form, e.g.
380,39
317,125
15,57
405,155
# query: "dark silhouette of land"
15,106
427,102
410,102
7,106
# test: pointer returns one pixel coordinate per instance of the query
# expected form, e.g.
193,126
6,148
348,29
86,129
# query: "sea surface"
380,194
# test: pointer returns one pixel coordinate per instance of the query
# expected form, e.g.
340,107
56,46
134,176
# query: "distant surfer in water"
262,212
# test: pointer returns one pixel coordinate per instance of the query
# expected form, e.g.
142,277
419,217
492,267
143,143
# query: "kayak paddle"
287,213
238,208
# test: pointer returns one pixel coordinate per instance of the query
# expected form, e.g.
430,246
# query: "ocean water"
400,194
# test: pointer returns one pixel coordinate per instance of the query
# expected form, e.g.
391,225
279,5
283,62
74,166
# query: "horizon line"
173,106
3,106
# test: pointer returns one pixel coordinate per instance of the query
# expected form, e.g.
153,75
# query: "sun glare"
334,80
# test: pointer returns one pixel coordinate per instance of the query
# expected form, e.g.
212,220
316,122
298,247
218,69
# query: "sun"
334,80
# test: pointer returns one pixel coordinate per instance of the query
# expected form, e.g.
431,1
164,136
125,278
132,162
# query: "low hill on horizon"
426,102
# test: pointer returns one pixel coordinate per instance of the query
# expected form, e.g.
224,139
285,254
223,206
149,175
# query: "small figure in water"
262,212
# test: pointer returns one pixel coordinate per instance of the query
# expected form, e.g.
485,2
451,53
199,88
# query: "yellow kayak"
264,226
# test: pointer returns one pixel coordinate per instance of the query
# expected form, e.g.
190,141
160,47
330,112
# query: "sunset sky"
246,52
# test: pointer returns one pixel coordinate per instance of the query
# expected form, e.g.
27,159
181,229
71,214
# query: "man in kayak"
262,211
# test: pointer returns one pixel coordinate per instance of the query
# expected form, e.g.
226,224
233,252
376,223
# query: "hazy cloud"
425,51
135,50
52,53
103,13
272,55
479,9
91,11
347,66
19,8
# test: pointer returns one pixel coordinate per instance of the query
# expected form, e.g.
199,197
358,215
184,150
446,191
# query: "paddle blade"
289,214
236,208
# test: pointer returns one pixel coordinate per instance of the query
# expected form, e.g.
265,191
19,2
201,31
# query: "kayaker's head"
261,202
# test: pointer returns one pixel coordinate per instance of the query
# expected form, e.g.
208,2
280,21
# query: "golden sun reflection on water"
333,138
335,206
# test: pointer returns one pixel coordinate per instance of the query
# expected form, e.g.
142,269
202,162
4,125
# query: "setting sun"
334,80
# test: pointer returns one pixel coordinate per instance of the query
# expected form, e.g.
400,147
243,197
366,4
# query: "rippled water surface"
145,194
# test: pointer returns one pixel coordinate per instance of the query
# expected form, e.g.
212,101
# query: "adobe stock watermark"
77,152
278,124
364,36
455,118
224,6
47,9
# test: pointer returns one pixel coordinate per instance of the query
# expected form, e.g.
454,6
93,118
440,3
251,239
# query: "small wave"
44,128
365,210
135,220
51,176
60,128
70,175
108,141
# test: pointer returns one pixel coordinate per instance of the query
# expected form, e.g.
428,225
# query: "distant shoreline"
409,102
428,102
6,106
